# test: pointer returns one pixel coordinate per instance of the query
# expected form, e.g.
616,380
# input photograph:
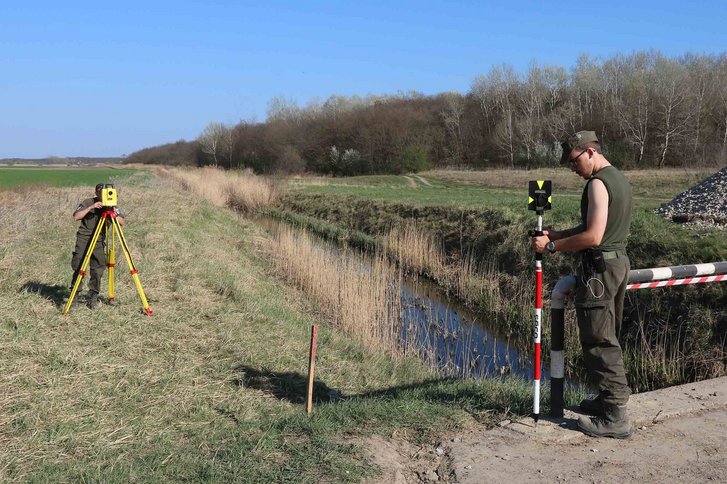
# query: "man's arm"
119,216
562,234
82,212
596,219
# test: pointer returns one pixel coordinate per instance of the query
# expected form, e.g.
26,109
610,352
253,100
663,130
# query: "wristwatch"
550,246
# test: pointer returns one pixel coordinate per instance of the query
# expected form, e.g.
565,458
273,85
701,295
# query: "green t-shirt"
620,201
88,223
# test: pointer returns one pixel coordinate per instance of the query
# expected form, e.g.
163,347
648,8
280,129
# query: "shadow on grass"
449,391
56,293
288,385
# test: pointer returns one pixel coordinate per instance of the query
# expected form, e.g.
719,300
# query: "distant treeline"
648,110
60,160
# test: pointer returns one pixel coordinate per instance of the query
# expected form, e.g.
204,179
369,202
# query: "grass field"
211,387
11,178
505,188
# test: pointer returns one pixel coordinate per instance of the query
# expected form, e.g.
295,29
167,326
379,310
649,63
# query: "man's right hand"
97,205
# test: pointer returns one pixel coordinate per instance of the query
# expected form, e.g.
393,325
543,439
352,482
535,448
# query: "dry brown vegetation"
241,190
359,295
420,253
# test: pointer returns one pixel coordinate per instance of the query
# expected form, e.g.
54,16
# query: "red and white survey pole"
539,199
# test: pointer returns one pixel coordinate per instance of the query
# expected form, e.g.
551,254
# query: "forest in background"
649,110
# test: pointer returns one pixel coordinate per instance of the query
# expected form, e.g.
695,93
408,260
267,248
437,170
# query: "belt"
612,254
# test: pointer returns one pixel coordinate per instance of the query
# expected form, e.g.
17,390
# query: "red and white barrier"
677,282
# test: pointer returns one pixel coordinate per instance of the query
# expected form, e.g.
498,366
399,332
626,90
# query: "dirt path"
680,437
683,449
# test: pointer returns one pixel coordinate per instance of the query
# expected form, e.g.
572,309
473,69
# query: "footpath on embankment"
679,436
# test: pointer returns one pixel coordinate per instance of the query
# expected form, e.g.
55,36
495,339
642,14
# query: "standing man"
600,240
88,213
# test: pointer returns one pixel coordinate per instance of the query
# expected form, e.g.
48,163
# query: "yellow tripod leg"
111,263
86,261
134,272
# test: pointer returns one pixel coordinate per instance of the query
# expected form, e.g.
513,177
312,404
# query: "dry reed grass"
361,297
362,294
465,278
415,249
243,191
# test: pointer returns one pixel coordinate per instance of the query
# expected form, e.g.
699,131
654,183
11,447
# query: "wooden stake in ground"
312,367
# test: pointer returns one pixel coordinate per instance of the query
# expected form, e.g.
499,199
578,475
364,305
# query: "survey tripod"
107,218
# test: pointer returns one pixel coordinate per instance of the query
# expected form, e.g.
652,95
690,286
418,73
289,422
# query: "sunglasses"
573,160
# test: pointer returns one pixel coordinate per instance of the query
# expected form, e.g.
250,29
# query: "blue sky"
89,79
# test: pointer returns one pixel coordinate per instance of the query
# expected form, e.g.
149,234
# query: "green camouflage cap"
577,140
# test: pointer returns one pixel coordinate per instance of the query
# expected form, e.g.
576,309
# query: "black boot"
592,406
614,423
93,300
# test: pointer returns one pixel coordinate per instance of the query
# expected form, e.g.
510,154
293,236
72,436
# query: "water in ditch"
442,331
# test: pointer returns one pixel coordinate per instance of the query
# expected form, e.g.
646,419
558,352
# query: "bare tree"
555,82
720,100
701,83
530,105
483,91
281,108
211,140
228,144
671,98
634,105
452,116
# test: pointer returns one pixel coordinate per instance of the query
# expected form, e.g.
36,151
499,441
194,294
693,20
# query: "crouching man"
88,213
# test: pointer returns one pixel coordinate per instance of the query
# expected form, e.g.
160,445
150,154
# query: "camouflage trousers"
599,309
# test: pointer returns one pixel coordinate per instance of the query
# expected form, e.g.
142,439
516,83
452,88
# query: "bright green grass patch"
60,177
464,196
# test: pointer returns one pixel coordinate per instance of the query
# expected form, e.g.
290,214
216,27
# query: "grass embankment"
211,387
671,336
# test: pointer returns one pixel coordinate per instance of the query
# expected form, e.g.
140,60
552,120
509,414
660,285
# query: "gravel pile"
703,204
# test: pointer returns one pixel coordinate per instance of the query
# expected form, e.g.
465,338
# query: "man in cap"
600,240
88,213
